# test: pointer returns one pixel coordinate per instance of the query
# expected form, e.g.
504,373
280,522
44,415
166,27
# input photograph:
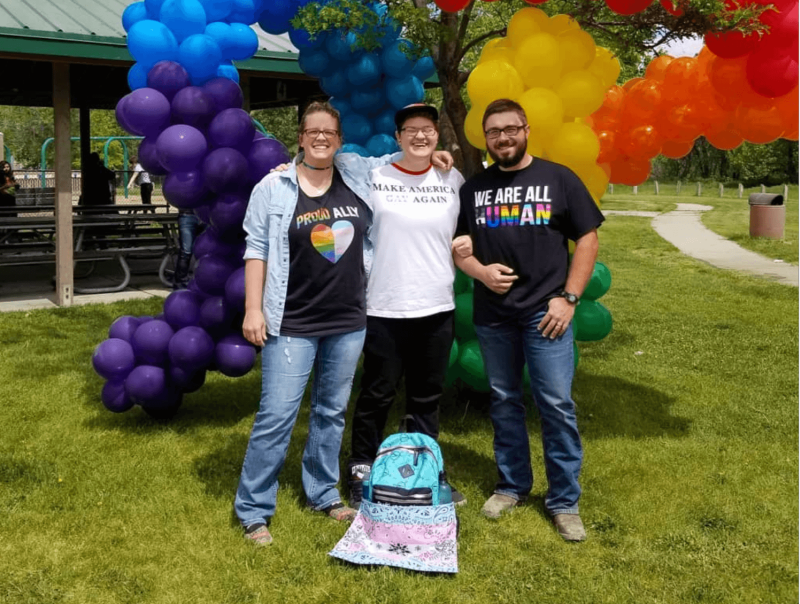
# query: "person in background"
188,227
8,187
100,183
141,177
521,214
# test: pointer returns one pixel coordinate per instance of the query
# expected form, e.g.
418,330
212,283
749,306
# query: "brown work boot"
497,505
570,527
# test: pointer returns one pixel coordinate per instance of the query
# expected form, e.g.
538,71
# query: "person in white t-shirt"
410,300
141,177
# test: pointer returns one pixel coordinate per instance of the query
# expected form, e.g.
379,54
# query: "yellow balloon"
595,179
473,127
581,92
497,53
575,146
535,147
495,42
545,112
578,50
538,61
605,66
525,22
489,160
493,80
561,24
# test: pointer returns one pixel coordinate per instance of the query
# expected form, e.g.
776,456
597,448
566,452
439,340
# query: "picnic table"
115,232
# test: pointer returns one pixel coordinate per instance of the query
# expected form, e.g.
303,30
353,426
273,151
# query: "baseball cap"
403,114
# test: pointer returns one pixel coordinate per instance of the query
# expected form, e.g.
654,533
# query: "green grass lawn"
688,412
729,218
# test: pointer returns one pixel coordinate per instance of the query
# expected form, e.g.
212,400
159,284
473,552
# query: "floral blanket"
417,538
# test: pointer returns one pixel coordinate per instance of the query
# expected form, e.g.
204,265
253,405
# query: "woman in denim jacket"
305,282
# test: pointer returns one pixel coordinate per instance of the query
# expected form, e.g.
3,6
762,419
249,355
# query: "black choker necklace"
310,167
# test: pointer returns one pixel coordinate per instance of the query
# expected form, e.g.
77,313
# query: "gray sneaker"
497,505
570,527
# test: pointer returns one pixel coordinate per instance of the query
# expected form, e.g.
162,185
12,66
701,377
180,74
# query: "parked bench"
36,197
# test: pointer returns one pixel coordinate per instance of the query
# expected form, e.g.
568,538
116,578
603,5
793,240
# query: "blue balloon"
382,144
276,15
395,61
424,68
153,8
302,39
356,129
367,101
151,41
313,62
137,76
340,45
244,11
365,71
335,84
352,148
227,70
183,17
200,56
341,105
384,123
216,10
223,36
404,91
133,14
244,42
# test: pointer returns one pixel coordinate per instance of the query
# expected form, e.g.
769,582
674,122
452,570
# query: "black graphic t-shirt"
327,283
524,219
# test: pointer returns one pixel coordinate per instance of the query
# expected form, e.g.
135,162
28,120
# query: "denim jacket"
269,214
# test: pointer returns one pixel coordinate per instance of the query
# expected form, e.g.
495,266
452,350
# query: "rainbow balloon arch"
186,103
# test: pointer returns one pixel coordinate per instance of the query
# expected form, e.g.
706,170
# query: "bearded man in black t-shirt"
520,214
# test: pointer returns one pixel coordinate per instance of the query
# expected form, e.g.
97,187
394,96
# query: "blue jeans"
286,365
506,349
187,227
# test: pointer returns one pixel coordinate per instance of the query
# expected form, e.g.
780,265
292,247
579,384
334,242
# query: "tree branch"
462,28
479,39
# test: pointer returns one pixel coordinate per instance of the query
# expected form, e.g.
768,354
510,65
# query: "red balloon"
676,149
782,36
773,17
452,6
673,8
628,7
608,149
731,44
534,1
771,75
630,171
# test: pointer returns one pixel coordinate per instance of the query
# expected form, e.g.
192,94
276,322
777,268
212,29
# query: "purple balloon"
123,327
191,348
187,381
225,170
234,290
211,273
114,397
182,309
192,106
147,386
148,157
211,242
150,342
181,148
234,356
114,359
203,212
264,155
120,114
146,111
225,94
232,128
227,215
185,190
216,317
168,77
192,287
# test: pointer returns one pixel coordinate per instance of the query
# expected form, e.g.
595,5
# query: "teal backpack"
408,470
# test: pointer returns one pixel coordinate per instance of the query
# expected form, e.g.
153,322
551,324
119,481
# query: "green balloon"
592,321
462,284
453,354
473,371
599,283
465,328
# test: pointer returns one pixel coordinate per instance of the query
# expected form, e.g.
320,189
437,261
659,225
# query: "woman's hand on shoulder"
442,159
281,168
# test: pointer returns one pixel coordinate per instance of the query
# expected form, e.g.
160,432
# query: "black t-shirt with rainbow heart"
326,293
524,219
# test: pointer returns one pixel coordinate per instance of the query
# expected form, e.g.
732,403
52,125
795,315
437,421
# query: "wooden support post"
635,190
656,183
741,190
785,187
699,189
3,148
678,188
85,143
611,188
63,168
763,189
721,189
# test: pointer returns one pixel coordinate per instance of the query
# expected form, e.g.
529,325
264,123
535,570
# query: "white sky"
683,48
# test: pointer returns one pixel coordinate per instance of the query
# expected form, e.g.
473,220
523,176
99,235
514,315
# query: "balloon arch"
186,103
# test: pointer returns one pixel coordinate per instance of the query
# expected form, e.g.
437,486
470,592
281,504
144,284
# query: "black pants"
146,191
418,348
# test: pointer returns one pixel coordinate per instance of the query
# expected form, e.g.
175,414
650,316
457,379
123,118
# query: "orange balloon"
681,78
676,149
681,123
641,102
642,142
608,148
607,117
633,81
729,79
655,70
725,139
630,171
759,126
787,107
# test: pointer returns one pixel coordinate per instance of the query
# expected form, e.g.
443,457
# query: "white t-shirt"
142,176
415,217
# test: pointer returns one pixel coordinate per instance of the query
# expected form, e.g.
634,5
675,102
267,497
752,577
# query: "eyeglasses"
509,131
314,133
412,132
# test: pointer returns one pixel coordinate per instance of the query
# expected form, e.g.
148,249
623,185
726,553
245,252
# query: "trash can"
767,215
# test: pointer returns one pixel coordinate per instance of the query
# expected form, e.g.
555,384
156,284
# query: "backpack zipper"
416,450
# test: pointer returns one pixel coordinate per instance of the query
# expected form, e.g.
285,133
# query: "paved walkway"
684,229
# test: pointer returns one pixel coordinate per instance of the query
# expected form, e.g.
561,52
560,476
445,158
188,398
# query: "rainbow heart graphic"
332,241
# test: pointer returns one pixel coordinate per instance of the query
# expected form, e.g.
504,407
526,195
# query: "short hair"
420,113
321,107
503,106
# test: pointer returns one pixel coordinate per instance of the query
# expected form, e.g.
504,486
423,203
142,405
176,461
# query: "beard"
520,149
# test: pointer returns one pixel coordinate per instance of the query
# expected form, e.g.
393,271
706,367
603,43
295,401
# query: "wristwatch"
571,298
